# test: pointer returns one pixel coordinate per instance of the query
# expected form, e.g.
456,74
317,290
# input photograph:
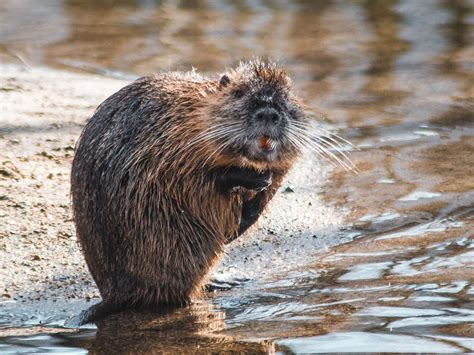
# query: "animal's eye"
296,114
238,93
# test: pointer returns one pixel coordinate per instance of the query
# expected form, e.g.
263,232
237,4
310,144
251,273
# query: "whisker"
322,132
331,155
325,141
346,158
215,135
337,149
301,144
312,126
215,131
325,152
222,146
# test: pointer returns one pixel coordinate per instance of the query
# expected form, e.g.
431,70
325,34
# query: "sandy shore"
43,111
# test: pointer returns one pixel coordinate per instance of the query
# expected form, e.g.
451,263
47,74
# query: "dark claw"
262,184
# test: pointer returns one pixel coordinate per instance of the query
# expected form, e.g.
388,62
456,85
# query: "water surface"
395,77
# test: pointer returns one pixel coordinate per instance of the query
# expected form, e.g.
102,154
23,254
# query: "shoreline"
42,113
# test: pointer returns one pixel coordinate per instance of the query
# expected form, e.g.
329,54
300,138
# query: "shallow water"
395,78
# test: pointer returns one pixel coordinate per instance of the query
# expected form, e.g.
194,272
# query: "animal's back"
143,241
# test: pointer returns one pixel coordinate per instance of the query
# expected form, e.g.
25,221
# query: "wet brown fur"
149,217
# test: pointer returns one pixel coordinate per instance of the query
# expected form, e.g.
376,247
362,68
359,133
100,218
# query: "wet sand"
42,114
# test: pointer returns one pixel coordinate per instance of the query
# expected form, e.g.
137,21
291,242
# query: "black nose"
268,115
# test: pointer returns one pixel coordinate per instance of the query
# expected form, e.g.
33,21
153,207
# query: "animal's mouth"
266,144
262,148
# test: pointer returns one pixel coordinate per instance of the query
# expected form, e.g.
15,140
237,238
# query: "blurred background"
395,77
368,62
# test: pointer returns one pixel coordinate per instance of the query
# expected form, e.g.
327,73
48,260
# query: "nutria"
171,168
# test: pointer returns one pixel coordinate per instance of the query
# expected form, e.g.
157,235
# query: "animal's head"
257,117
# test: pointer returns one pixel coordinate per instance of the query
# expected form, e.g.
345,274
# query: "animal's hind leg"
94,313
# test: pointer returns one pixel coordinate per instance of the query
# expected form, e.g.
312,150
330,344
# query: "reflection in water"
185,330
396,77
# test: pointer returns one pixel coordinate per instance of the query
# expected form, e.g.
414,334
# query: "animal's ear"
225,81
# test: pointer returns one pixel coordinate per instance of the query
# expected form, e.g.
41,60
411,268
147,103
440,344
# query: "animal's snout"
268,115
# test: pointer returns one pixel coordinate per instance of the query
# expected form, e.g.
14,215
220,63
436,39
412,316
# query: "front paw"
235,178
262,182
254,180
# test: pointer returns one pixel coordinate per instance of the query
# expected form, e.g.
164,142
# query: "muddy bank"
43,111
